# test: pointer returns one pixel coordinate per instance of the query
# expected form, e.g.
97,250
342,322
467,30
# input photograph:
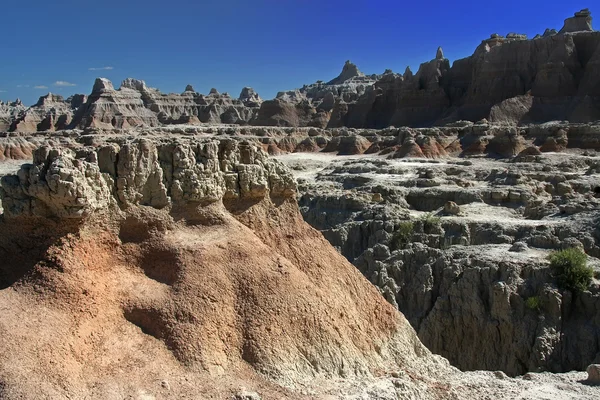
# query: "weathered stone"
593,371
143,173
581,21
451,208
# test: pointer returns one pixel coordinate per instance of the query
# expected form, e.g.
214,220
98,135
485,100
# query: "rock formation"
439,55
581,21
349,71
250,98
108,108
212,273
59,184
178,267
315,104
460,246
498,80
135,104
50,113
508,79
9,112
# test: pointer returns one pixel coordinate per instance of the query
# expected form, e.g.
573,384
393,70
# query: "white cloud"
63,83
20,86
100,69
40,87
2,91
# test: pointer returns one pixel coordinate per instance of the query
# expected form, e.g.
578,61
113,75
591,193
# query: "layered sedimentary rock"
135,104
508,79
581,21
178,266
107,107
313,105
51,112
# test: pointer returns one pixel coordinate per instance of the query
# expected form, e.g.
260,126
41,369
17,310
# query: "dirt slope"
116,307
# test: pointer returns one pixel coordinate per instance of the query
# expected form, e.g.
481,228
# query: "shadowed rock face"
508,79
581,21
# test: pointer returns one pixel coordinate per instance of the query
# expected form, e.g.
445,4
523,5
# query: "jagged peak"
214,91
189,88
581,21
102,85
439,55
49,98
135,84
247,92
349,71
249,97
408,72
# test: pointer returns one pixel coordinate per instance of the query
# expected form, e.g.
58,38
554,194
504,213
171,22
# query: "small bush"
571,270
402,235
430,221
534,303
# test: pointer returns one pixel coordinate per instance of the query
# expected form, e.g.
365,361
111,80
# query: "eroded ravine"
463,273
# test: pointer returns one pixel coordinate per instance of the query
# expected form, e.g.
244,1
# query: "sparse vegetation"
430,221
571,270
402,235
534,303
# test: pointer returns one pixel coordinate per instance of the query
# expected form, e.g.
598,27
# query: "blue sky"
62,46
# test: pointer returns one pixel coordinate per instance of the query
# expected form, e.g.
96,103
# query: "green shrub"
534,303
430,221
571,270
402,235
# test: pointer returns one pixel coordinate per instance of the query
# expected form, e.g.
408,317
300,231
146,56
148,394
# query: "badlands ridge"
369,237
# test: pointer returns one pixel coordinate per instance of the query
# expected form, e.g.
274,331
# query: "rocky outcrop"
9,112
318,104
508,80
191,259
73,184
110,108
349,71
581,21
250,98
193,250
134,104
50,113
192,107
460,245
